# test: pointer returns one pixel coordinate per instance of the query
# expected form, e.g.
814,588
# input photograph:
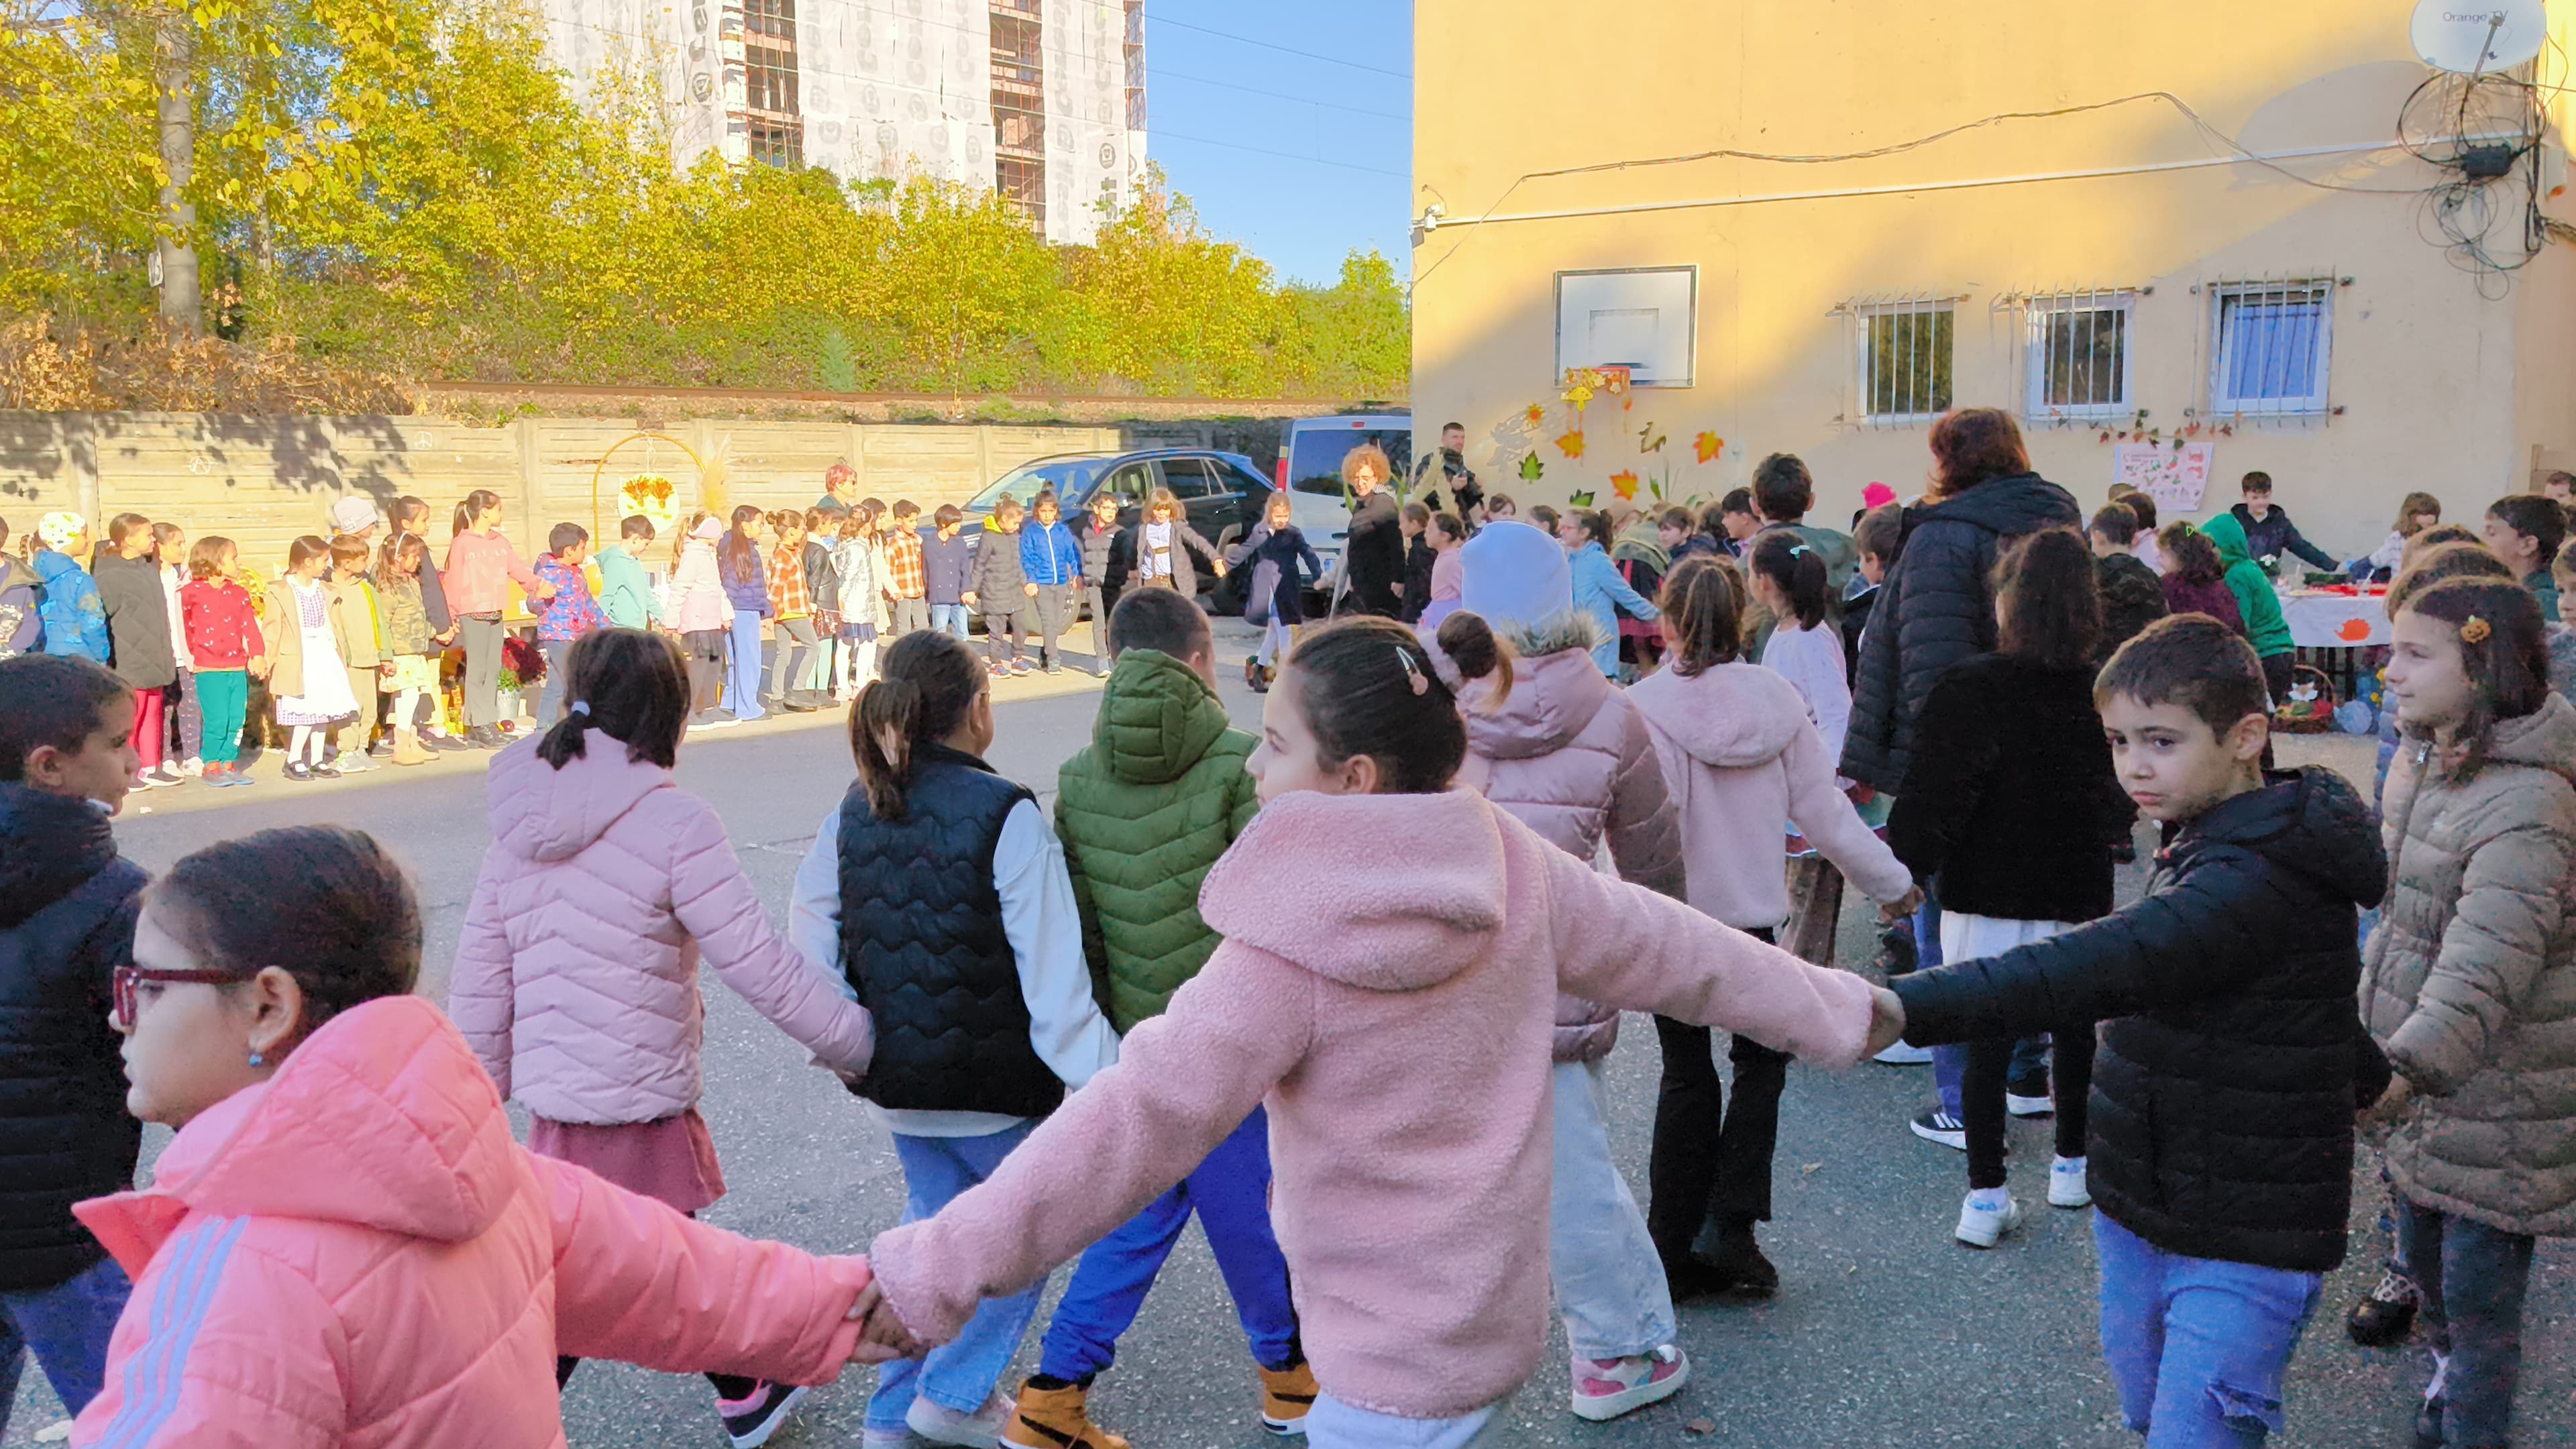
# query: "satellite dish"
2479,37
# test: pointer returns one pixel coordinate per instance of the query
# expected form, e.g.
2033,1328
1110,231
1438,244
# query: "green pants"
223,698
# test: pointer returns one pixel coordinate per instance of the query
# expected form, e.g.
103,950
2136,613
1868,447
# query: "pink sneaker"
1605,1388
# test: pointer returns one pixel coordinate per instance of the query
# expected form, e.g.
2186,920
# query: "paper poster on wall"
2174,477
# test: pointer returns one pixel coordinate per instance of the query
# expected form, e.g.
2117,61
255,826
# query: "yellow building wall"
2438,386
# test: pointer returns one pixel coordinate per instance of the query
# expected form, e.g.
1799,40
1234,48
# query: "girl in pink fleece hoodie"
1396,1019
576,976
1743,762
343,1246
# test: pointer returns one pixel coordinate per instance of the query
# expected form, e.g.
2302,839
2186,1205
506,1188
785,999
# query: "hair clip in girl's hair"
2475,630
1412,671
1798,550
581,707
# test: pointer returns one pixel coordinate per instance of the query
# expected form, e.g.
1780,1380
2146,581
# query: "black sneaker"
2387,1317
1739,1261
2027,1096
1935,1125
300,772
753,1419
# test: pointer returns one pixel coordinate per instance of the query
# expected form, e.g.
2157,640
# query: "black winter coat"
67,906
1373,559
2232,1054
922,944
138,620
2132,598
1936,609
2011,801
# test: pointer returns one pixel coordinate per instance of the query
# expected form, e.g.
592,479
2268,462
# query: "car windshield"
1069,479
1315,459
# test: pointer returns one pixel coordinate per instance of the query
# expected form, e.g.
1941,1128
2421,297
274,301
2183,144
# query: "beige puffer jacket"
1568,756
2469,982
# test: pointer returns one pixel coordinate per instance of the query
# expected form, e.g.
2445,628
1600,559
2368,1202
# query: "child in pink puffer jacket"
1557,745
576,977
1397,1022
343,1247
1743,762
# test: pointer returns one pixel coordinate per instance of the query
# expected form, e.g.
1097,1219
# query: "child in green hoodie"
2264,626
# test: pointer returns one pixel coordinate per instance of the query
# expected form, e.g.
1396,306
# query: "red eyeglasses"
126,978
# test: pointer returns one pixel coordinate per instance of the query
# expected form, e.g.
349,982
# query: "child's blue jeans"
1230,1192
2473,1278
960,1374
742,673
2197,1346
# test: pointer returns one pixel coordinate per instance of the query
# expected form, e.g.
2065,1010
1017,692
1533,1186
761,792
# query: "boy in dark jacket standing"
947,572
2269,533
2232,1057
1143,812
998,588
67,909
2132,596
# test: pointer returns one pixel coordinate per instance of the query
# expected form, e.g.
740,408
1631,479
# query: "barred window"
1905,355
2273,342
778,143
2077,354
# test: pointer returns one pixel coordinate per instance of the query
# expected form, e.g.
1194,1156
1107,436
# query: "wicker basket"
2307,716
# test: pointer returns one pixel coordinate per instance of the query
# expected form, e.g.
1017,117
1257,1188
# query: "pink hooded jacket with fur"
1743,763
576,977
1387,989
1569,757
355,1255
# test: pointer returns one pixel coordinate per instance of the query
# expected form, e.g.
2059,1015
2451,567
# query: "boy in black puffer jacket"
2232,1057
67,907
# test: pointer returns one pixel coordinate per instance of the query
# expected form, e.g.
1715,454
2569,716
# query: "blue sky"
1293,210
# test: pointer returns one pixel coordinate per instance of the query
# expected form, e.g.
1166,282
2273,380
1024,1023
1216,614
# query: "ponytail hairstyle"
1368,687
631,685
2190,554
2503,650
1595,525
736,550
1795,568
476,504
324,904
680,536
304,550
927,684
2048,600
1703,614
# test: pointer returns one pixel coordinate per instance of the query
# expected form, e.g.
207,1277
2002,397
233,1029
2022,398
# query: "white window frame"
1864,362
1665,290
2225,339
2039,352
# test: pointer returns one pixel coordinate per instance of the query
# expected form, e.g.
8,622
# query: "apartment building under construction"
1043,100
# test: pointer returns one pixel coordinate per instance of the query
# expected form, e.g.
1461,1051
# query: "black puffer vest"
922,942
66,921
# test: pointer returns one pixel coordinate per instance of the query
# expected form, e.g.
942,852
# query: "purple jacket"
576,978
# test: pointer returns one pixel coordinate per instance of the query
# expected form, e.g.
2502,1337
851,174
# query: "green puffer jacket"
2469,983
1158,796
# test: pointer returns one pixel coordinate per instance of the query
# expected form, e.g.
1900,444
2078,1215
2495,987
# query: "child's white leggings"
406,705
854,664
1275,640
298,736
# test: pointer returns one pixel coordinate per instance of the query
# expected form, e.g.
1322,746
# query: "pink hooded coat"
1569,757
1396,1021
1743,762
355,1253
576,977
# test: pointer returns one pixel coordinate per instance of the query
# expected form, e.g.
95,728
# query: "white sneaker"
981,1429
1983,1227
1604,1389
2066,1187
1905,1054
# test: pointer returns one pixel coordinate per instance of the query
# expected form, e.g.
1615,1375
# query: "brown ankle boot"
408,749
1056,1419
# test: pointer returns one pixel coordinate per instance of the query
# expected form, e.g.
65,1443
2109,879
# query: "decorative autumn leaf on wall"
1531,468
1708,446
1571,444
1650,439
1624,483
1535,414
1580,500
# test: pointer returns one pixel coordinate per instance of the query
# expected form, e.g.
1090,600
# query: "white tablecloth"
2335,621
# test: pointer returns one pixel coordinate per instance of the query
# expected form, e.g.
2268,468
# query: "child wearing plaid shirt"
792,607
904,580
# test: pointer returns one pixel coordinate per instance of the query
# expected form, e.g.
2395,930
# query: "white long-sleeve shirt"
1044,927
1812,659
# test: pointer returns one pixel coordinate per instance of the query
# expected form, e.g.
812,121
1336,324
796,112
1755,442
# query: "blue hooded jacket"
75,620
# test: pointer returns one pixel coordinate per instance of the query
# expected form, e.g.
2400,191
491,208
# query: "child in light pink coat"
1743,762
576,977
1397,1022
343,1247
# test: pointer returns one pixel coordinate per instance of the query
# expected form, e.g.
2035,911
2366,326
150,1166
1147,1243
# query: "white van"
1310,468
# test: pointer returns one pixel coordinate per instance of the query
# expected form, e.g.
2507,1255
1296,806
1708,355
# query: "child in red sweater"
225,642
